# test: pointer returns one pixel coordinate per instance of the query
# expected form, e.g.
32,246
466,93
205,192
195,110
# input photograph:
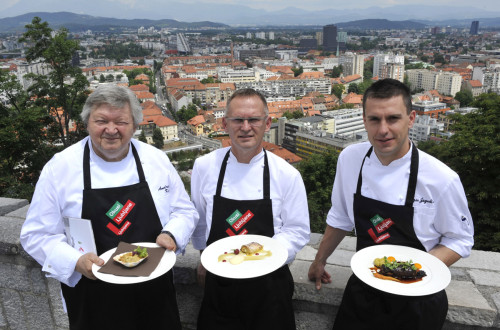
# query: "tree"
158,139
338,90
64,90
297,71
293,115
337,71
353,88
23,147
368,70
474,153
318,173
142,137
464,97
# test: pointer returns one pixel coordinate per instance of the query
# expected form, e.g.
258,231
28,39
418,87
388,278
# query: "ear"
269,121
413,115
224,124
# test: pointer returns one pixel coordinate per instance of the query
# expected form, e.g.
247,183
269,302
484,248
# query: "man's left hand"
166,241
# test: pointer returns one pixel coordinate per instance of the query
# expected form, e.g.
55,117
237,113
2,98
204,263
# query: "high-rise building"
383,69
319,38
474,28
352,64
271,35
330,38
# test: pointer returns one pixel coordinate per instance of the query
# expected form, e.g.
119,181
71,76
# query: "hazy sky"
149,8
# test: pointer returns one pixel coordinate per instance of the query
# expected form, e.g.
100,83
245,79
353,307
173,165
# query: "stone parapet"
29,300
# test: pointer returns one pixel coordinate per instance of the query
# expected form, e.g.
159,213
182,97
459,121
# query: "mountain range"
77,23
241,15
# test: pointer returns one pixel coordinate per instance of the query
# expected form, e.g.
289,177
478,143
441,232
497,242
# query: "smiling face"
387,123
110,131
246,140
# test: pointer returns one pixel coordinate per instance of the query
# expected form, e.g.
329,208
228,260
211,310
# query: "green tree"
297,71
142,137
337,71
338,90
23,136
158,139
464,97
353,88
318,173
368,70
293,115
63,91
474,153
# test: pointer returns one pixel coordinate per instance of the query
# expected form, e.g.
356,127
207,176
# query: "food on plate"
251,248
250,251
133,258
388,268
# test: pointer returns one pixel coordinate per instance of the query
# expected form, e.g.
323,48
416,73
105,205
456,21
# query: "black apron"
121,214
264,302
362,306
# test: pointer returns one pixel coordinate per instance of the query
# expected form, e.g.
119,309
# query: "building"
183,44
489,78
352,64
447,83
330,38
430,108
423,127
474,86
474,28
389,66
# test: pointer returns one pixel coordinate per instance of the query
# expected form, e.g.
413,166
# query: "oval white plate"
166,263
247,269
438,275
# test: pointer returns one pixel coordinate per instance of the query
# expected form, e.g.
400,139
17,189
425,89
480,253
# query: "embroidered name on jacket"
380,224
118,213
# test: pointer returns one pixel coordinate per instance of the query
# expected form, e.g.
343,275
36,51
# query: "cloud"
9,3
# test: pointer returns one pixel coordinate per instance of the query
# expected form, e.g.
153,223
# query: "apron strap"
412,182
267,180
87,182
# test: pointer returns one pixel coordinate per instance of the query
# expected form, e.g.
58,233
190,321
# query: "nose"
383,127
111,128
246,125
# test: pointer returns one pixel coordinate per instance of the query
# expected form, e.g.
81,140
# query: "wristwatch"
169,234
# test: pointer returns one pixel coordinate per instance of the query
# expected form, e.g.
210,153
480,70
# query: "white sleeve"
453,219
338,215
42,234
183,217
295,231
199,238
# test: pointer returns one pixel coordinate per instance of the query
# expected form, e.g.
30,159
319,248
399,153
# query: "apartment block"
389,66
352,64
447,83
286,88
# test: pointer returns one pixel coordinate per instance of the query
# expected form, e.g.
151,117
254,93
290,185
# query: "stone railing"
29,300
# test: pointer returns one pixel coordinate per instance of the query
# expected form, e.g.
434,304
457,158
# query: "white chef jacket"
58,193
245,182
441,215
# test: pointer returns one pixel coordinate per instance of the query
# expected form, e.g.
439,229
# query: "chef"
91,179
268,197
393,193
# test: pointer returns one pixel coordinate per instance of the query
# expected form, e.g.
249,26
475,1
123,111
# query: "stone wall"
29,300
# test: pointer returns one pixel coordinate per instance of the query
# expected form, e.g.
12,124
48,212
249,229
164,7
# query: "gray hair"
116,96
247,92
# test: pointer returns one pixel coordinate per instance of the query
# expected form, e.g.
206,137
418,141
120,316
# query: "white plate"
438,275
249,268
166,263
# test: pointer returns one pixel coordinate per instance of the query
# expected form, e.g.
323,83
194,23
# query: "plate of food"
244,256
133,259
400,270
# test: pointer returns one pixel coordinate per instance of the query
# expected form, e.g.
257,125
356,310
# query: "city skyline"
231,11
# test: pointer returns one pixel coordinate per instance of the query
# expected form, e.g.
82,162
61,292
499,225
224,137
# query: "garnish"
141,252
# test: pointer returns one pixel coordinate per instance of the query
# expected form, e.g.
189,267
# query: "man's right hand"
318,274
84,264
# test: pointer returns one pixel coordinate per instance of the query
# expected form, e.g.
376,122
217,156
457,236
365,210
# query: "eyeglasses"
252,121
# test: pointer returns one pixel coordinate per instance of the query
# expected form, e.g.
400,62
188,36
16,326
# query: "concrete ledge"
29,300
